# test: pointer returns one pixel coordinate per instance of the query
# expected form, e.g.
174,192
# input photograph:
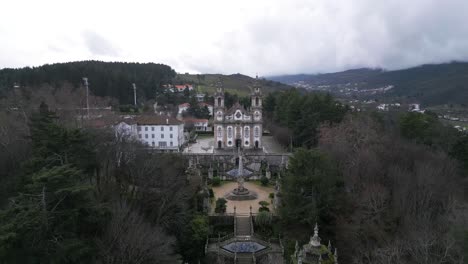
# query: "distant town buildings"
382,107
177,88
415,108
387,107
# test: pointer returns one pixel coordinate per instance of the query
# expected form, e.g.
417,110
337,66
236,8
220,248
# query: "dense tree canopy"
55,216
300,115
87,197
310,187
401,197
112,79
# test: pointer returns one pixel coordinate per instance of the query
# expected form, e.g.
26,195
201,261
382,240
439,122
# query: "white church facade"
238,127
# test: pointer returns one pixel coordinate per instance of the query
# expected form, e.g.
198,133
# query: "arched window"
257,131
219,101
257,101
220,132
230,132
246,132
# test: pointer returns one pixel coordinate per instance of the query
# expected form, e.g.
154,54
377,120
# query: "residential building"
198,124
200,97
209,106
183,108
415,108
178,88
161,132
126,128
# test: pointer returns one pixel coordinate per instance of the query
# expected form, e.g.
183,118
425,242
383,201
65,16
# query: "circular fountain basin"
241,195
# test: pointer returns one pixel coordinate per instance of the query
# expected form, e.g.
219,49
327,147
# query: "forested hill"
429,84
105,78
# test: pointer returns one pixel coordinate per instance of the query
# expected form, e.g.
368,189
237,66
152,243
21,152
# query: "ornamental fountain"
240,193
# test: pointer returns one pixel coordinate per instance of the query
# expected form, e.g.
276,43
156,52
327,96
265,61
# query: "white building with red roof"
178,88
209,106
158,132
185,106
197,123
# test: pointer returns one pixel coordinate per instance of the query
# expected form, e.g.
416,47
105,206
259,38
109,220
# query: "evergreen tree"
310,188
55,217
53,144
55,220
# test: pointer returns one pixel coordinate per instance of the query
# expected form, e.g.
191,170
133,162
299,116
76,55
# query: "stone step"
244,261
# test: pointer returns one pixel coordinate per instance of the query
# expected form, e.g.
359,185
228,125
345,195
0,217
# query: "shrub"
210,191
216,181
264,180
264,206
263,219
220,206
271,196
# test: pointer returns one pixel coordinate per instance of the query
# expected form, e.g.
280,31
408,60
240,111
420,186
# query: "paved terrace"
243,207
205,145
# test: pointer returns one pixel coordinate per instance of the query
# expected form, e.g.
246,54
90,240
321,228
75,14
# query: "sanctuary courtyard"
247,206
205,145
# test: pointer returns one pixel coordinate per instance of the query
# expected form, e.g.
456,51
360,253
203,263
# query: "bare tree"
130,239
402,197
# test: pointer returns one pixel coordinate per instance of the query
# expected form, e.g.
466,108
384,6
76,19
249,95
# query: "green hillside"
235,83
429,84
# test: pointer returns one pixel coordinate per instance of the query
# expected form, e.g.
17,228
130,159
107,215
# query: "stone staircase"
246,260
243,229
243,226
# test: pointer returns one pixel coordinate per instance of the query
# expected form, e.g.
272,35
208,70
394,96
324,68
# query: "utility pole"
85,80
134,94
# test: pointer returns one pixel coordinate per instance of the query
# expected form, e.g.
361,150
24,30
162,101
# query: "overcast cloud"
211,36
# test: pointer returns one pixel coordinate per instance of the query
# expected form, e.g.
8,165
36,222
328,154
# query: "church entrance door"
238,143
219,144
256,144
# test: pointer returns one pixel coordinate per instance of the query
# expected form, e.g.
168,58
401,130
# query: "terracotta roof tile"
157,120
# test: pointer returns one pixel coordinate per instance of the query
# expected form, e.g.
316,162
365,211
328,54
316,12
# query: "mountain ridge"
431,84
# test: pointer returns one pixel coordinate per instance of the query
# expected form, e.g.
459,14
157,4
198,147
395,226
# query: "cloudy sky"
246,36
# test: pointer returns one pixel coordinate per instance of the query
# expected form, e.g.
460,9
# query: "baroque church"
238,127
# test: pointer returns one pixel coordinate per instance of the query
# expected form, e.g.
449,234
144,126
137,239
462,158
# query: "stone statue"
240,182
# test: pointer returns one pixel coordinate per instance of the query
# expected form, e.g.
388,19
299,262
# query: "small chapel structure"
238,127
315,252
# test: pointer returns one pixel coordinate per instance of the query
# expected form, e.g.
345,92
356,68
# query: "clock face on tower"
219,115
